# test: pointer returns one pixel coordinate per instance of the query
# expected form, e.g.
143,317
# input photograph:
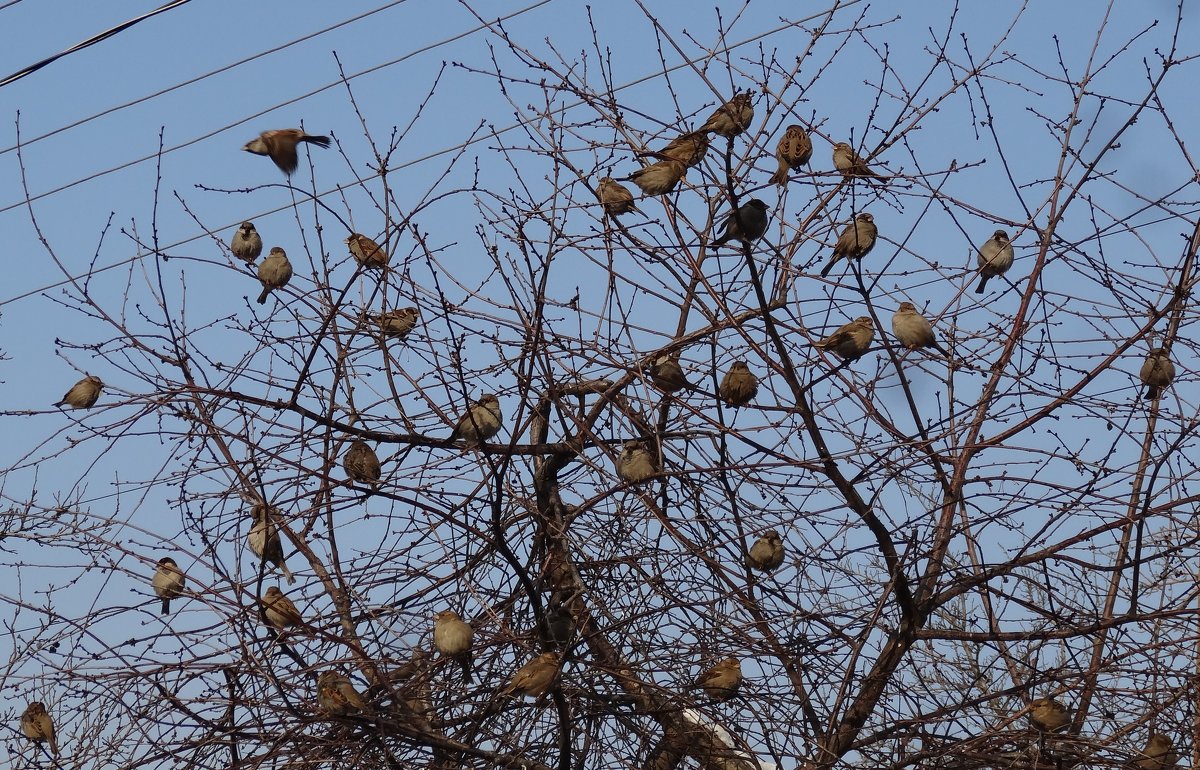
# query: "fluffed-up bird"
689,149
1048,715
337,695
855,241
1159,754
274,272
914,330
636,464
452,637
739,386
851,165
280,146
362,464
851,340
83,394
658,178
721,681
399,322
38,727
168,582
615,197
480,422
995,257
795,148
279,611
747,224
557,627
666,374
367,252
766,555
246,244
733,117
264,540
535,678
1157,372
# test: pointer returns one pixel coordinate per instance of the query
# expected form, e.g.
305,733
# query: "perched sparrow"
1048,715
794,150
850,341
361,463
1159,754
399,322
722,680
658,178
367,252
1157,372
739,386
274,273
615,197
767,552
733,117
168,582
914,330
747,224
855,241
688,149
558,626
635,463
83,394
847,161
995,258
337,695
38,726
481,421
452,638
667,375
280,145
279,610
534,678
247,243
264,541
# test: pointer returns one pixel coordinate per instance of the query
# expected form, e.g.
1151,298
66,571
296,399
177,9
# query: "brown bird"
1159,754
480,422
83,394
913,330
264,541
855,241
246,244
995,257
615,197
337,695
635,464
747,224
362,464
848,162
38,726
399,322
168,582
279,611
733,117
739,386
794,150
767,552
850,341
280,145
534,678
1048,715
274,273
721,681
1157,372
667,375
658,178
558,626
367,252
689,149
452,638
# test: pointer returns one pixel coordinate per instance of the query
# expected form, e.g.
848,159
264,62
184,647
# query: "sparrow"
558,627
689,149
847,161
452,638
914,330
855,241
739,386
995,257
733,117
1157,372
747,224
615,197
279,610
247,243
722,680
1048,715
1159,754
794,150
38,726
481,421
667,375
83,394
361,463
767,552
534,678
337,695
367,252
399,322
635,464
264,541
274,273
658,178
168,582
850,341
280,146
